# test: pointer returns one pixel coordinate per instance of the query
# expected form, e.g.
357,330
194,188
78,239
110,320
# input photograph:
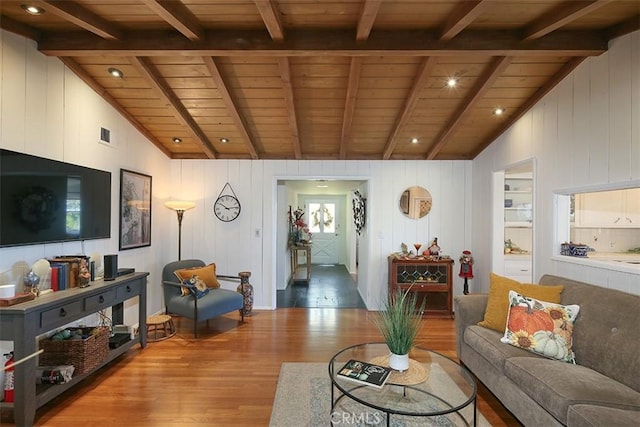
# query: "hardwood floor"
228,376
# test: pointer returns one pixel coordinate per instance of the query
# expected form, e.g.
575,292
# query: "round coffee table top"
433,384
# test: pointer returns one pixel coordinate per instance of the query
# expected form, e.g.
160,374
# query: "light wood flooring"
228,376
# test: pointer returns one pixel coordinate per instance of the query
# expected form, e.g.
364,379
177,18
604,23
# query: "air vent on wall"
105,136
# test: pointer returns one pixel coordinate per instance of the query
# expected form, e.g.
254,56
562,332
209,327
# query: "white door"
325,229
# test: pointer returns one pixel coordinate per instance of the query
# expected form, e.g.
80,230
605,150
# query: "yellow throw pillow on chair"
207,274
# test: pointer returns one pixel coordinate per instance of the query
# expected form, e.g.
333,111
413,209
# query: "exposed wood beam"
368,16
571,65
560,16
271,18
178,16
19,28
289,100
83,18
423,74
624,28
102,92
464,15
350,105
488,78
328,43
228,99
149,72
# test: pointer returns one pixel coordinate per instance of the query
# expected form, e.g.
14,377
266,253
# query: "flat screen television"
43,201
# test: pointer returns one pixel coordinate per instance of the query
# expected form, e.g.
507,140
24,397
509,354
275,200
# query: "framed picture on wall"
135,209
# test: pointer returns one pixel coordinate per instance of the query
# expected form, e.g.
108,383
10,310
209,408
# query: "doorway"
327,205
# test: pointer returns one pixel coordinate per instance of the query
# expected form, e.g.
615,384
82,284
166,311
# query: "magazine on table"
365,373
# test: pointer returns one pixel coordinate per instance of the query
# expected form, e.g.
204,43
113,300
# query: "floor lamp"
179,207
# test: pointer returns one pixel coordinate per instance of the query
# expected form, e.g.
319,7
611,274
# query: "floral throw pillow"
541,327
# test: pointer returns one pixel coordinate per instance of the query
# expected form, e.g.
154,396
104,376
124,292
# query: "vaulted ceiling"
322,79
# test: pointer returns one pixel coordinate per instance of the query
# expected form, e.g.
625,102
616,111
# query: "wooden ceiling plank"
271,17
464,15
102,92
484,83
289,100
146,69
228,99
178,16
368,16
84,18
421,79
560,16
626,27
350,106
334,43
529,103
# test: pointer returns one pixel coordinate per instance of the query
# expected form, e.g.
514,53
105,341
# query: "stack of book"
64,271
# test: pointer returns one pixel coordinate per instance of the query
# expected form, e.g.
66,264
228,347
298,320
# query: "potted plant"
399,322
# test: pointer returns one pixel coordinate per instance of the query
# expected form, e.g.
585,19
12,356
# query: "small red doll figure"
466,269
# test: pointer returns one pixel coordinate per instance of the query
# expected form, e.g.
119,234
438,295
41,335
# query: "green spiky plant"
400,320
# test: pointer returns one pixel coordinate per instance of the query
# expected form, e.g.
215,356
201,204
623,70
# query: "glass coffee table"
434,386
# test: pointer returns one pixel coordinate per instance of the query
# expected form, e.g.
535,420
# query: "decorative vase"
399,362
246,289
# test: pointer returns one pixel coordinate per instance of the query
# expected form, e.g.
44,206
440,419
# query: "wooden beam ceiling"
178,16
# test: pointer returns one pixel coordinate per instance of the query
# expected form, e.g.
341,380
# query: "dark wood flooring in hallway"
331,286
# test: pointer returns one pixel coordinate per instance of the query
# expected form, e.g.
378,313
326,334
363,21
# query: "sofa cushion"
541,327
596,416
486,342
606,334
555,386
495,315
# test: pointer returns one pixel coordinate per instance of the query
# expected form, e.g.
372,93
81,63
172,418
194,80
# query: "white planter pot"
399,362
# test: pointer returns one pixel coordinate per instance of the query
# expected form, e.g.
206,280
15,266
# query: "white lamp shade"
180,205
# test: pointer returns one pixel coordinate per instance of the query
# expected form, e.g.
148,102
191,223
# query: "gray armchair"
217,302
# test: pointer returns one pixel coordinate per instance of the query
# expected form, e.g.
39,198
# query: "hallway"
331,286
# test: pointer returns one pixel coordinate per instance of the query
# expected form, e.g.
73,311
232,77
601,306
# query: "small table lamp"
179,206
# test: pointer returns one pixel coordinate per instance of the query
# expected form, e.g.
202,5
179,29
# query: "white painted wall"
584,133
46,110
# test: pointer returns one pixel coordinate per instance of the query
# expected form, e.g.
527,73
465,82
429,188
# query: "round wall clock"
227,206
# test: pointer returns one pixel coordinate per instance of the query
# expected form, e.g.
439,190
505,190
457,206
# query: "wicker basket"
85,354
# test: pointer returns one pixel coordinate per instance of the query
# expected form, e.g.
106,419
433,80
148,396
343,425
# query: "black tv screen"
46,201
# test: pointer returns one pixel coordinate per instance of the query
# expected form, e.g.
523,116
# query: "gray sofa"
603,388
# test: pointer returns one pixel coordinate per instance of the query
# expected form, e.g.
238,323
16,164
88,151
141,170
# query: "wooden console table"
297,273
23,323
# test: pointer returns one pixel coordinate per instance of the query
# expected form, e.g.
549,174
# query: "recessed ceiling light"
452,82
414,140
176,139
33,10
498,111
224,140
115,72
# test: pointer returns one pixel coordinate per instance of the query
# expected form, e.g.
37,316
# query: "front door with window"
324,227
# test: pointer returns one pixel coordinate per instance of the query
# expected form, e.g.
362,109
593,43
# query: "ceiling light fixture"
322,186
33,10
224,140
452,82
115,72
414,140
176,139
498,111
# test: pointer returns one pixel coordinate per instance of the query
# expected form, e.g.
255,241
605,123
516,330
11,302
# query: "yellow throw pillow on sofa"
207,274
495,315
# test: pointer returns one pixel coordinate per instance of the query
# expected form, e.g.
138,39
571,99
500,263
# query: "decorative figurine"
434,249
84,276
466,269
31,281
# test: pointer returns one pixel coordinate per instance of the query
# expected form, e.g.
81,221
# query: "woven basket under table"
85,354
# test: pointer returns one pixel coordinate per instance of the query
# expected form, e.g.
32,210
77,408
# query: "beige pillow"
495,315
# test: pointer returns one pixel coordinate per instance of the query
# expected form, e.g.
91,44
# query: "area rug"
303,398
